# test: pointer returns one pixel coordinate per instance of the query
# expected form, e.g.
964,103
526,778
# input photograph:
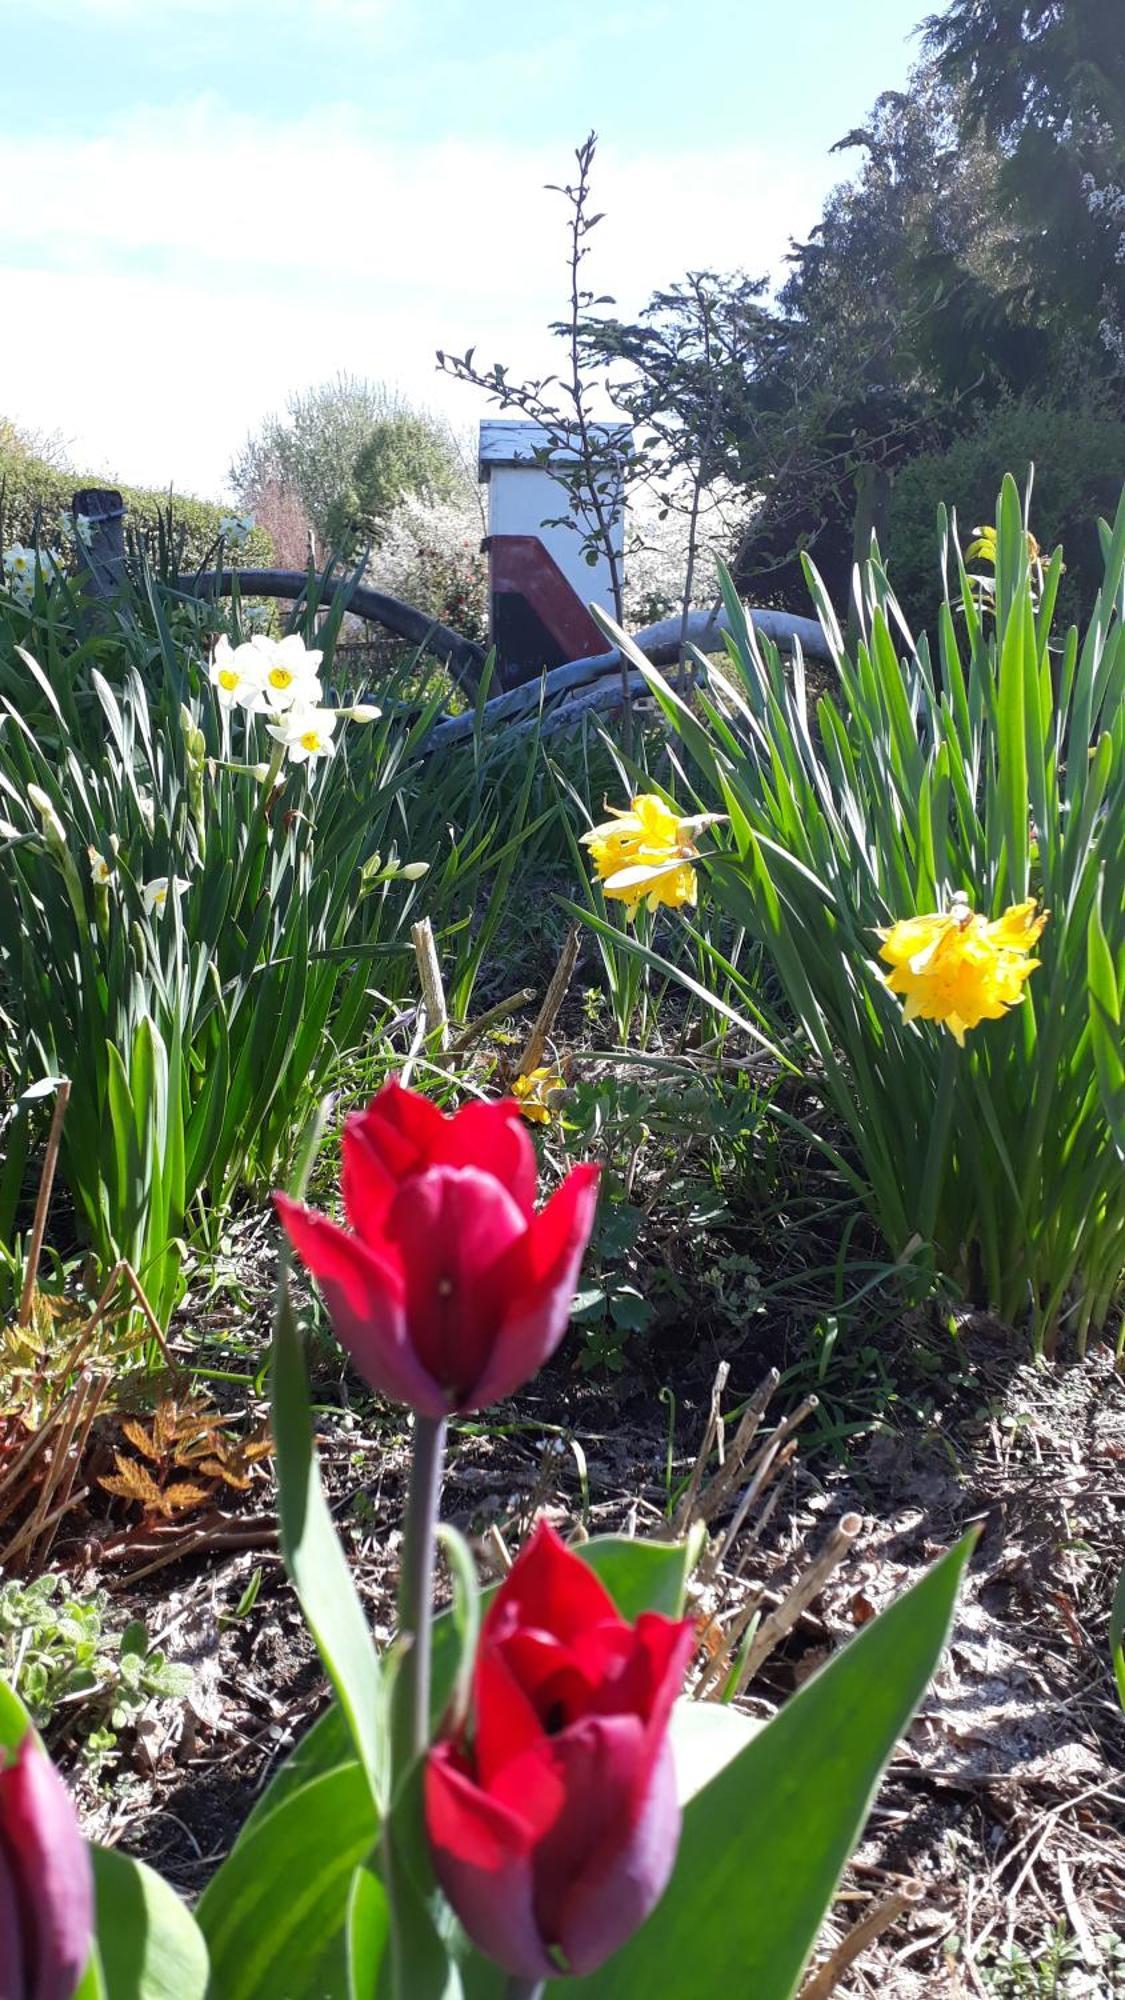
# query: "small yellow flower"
647,852
534,1091
959,968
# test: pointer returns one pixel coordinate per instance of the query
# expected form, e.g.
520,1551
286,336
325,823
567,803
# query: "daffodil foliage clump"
210,858
933,856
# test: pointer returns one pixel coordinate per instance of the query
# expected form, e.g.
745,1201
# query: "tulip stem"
524,1989
416,1587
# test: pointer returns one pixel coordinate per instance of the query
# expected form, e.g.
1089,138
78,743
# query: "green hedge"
34,496
1078,455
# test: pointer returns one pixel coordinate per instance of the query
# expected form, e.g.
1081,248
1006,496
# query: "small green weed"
57,1654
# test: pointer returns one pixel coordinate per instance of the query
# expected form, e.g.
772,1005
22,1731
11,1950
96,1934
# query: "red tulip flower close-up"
46,1883
448,1288
552,1819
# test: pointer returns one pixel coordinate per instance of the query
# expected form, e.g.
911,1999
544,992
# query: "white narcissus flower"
101,870
236,674
155,894
236,529
306,733
290,674
21,567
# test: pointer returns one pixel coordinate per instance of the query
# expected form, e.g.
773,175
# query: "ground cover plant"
607,918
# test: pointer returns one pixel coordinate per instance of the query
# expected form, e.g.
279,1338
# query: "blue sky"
210,203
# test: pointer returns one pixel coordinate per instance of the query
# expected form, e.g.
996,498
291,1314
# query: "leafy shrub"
993,770
34,494
1077,457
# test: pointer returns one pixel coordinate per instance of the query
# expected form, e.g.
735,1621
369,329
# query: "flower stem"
524,1989
415,1591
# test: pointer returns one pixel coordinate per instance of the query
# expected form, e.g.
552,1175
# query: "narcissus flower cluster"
646,853
959,967
22,566
280,679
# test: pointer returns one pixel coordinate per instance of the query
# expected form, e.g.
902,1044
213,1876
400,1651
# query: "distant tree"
349,451
1044,81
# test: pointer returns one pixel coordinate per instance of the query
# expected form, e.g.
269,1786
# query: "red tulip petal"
401,1128
550,1589
665,1646
482,1857
49,1871
495,1138
601,1763
364,1294
540,1278
367,1185
450,1228
623,1879
506,1722
14,1973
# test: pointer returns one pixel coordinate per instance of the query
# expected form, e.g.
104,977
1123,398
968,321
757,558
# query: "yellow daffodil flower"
646,853
534,1091
959,968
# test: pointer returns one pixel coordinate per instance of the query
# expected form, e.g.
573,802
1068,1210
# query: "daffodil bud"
52,824
413,871
363,712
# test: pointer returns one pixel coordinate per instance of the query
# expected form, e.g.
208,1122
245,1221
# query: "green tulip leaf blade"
149,1944
276,1916
313,1555
765,1842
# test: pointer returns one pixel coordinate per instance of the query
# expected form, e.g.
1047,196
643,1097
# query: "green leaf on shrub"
149,1944
765,1842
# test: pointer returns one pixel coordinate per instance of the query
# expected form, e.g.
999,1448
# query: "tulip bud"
46,1883
450,1289
553,1823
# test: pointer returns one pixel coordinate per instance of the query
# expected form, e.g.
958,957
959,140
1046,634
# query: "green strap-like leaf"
275,1915
765,1842
150,1946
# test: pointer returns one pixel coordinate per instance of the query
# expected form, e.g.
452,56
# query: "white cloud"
178,275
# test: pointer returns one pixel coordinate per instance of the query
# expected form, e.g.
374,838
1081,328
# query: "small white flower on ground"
101,870
306,733
155,894
289,673
236,674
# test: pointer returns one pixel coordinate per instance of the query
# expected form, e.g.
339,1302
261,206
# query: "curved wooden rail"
463,657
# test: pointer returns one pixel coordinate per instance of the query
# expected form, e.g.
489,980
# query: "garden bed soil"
1006,1799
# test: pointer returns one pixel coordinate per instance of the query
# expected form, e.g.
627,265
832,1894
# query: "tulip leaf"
706,1735
14,1719
313,1555
149,1944
368,1932
765,1842
640,1576
275,1917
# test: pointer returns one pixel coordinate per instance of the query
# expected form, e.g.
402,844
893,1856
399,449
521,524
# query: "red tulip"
450,1289
46,1884
554,1826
